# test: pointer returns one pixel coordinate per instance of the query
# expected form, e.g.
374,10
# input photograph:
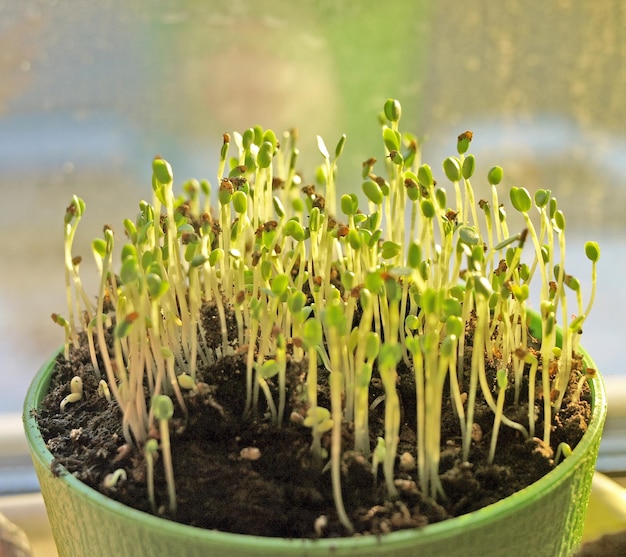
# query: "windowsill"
28,512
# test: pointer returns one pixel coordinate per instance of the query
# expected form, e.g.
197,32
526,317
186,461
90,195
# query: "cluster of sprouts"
296,274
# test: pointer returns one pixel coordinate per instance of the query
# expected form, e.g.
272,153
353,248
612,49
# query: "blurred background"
90,91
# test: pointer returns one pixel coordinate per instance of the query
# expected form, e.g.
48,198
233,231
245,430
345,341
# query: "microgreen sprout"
502,380
589,374
151,449
111,480
281,273
562,451
61,321
103,390
163,410
76,392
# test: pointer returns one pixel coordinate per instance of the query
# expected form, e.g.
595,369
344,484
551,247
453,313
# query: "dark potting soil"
247,476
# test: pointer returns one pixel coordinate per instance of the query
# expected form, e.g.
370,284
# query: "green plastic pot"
544,519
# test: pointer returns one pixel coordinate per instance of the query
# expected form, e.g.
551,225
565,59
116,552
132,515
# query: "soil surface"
247,476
